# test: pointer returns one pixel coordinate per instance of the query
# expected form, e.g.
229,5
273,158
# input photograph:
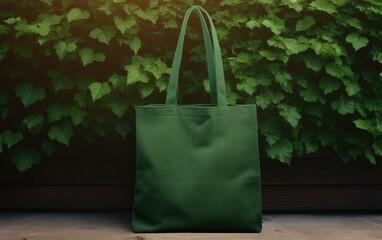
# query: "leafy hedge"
76,68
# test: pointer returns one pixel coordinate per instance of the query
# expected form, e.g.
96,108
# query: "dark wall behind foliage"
75,69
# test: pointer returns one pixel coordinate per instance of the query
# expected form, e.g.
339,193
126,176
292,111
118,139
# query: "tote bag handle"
217,82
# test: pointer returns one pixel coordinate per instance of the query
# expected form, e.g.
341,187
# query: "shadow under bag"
197,166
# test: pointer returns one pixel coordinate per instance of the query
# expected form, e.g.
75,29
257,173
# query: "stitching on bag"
162,110
198,182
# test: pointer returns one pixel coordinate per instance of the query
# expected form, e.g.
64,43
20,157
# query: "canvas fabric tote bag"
197,166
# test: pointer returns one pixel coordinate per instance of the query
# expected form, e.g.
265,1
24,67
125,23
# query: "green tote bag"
197,166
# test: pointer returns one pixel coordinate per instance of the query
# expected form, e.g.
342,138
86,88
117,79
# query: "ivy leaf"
4,30
276,25
364,125
162,84
124,24
230,2
296,5
323,5
351,87
13,20
332,70
171,23
251,24
78,115
247,87
361,110
44,28
305,23
369,154
62,83
33,121
156,67
130,9
344,105
29,94
77,14
356,40
49,148
135,74
47,2
282,150
80,98
4,47
272,55
338,71
53,19
145,90
354,22
276,41
57,111
116,80
377,54
326,137
290,114
148,14
267,97
293,46
377,146
285,80
313,63
11,138
243,58
329,85
118,106
310,147
302,82
135,44
379,124
123,128
25,159
62,48
88,56
271,129
102,35
108,8
61,133
98,90
312,94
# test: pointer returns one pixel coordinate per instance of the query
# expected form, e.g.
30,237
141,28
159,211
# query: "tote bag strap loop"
215,67
209,53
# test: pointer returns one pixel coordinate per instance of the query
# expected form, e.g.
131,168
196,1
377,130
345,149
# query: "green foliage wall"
76,69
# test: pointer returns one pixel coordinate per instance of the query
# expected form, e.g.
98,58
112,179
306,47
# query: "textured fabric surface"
197,166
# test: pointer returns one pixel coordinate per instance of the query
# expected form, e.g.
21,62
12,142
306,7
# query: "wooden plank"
116,170
108,161
66,197
104,170
321,170
275,198
327,197
78,179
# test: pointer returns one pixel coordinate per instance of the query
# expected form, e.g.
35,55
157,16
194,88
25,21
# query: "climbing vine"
76,69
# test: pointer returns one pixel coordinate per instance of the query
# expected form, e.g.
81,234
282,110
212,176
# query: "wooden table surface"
116,226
